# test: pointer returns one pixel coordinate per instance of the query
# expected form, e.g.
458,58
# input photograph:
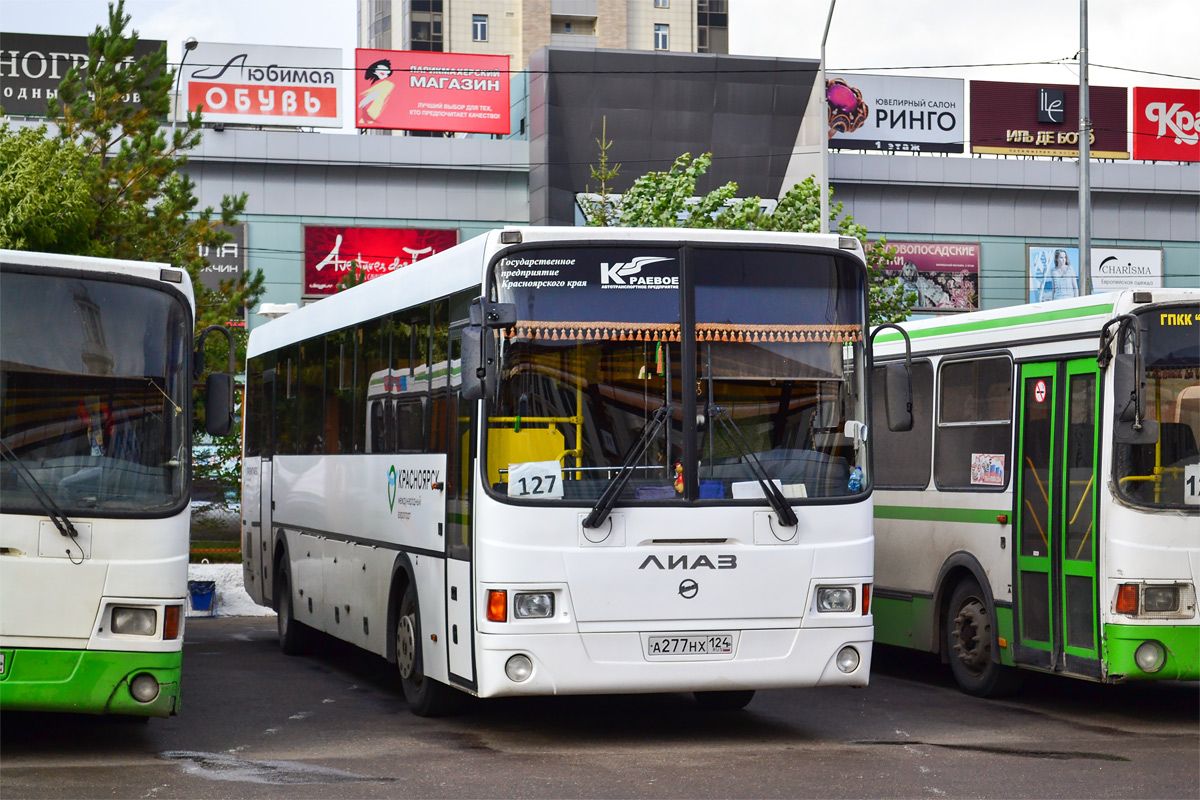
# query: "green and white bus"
95,475
1042,511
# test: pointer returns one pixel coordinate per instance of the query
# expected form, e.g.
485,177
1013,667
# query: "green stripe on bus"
1007,322
981,516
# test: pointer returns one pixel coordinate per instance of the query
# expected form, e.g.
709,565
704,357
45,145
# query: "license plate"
707,645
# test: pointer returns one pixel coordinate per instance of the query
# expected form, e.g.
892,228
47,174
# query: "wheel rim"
406,646
972,636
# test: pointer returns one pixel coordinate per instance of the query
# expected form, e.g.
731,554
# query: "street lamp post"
822,128
189,44
1085,159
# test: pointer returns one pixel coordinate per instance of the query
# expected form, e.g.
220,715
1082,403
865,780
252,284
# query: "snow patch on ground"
231,598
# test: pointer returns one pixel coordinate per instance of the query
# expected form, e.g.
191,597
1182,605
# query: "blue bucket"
202,598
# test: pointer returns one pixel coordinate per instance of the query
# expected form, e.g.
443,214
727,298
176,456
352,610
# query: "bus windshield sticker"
987,469
535,480
1191,484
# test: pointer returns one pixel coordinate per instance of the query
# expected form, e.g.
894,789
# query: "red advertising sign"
1035,119
404,90
937,276
1166,124
329,252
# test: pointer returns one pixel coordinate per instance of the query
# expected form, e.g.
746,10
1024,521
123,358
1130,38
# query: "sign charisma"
1117,268
1030,119
939,276
420,91
330,251
1166,124
246,84
894,113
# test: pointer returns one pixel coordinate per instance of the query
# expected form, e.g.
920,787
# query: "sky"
1155,36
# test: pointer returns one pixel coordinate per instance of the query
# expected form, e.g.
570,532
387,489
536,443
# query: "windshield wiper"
775,497
609,497
40,494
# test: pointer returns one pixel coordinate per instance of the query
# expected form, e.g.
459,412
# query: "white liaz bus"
95,475
644,469
1042,512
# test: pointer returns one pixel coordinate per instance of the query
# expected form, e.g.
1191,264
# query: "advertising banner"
942,276
250,84
403,90
1053,273
226,262
1117,268
1166,124
329,252
1034,119
886,112
32,65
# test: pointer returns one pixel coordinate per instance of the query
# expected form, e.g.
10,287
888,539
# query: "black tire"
970,635
724,701
426,697
293,635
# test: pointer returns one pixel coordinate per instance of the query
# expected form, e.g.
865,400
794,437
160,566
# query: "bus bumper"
615,663
88,681
1181,644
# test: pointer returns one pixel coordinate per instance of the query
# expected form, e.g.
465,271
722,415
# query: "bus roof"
1074,318
146,270
464,266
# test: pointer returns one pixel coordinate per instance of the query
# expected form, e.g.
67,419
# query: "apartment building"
519,28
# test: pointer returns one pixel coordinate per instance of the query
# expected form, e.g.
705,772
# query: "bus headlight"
134,621
518,668
1160,598
1150,656
533,605
835,598
144,687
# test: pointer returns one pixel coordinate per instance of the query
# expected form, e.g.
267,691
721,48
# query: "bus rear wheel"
426,697
724,701
969,637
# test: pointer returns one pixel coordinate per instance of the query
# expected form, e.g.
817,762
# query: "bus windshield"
600,346
1158,474
95,397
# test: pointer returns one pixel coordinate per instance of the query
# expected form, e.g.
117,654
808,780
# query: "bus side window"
287,390
440,365
312,396
974,417
903,458
371,359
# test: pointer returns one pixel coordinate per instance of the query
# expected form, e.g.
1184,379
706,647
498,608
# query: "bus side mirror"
898,398
218,404
1129,402
478,362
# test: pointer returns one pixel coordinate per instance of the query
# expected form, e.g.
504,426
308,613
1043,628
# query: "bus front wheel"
292,634
969,637
426,697
724,701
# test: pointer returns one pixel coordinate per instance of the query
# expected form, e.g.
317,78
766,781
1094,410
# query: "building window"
479,25
662,3
662,37
566,27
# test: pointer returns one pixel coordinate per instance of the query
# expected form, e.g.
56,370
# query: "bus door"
460,624
266,496
1057,551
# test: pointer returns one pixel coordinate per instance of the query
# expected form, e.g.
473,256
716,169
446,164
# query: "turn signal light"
171,623
497,605
1127,598
866,599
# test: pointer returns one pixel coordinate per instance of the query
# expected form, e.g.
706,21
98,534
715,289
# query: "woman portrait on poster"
373,99
1066,283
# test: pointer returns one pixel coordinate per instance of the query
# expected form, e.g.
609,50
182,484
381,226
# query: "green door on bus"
1057,553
